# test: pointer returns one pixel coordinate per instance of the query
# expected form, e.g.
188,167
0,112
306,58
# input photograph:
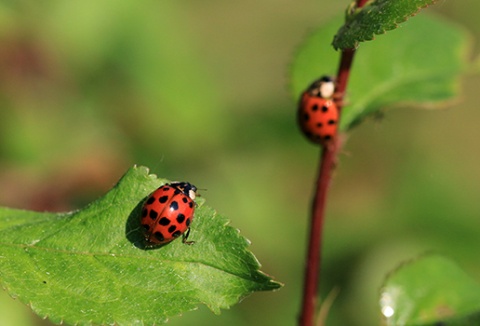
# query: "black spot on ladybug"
188,222
327,137
164,221
324,108
165,188
172,228
314,107
159,236
163,199
319,125
306,117
176,234
144,212
185,200
190,204
174,206
331,122
153,214
150,200
180,218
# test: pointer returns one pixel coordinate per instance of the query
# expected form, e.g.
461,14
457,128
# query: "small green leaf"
376,17
431,290
419,64
87,266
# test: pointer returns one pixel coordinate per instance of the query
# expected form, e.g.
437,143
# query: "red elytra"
318,113
167,213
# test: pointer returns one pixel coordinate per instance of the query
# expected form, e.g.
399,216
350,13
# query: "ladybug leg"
338,99
185,237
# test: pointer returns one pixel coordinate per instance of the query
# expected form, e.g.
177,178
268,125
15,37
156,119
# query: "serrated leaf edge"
352,21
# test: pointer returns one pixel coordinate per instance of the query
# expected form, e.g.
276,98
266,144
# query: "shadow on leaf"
134,230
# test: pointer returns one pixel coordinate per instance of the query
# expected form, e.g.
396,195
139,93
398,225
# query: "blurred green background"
198,91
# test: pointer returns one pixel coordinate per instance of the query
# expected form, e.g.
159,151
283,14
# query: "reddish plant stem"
327,164
312,267
342,77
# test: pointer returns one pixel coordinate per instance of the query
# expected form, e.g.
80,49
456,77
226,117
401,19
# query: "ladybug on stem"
317,112
167,213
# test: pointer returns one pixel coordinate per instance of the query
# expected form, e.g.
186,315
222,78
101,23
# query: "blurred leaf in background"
403,69
430,290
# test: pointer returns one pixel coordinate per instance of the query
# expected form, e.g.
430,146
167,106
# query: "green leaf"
88,266
376,17
419,64
431,290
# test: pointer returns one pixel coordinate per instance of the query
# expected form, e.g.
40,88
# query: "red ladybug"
168,212
318,113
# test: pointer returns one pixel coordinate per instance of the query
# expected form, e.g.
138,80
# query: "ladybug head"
185,187
323,87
